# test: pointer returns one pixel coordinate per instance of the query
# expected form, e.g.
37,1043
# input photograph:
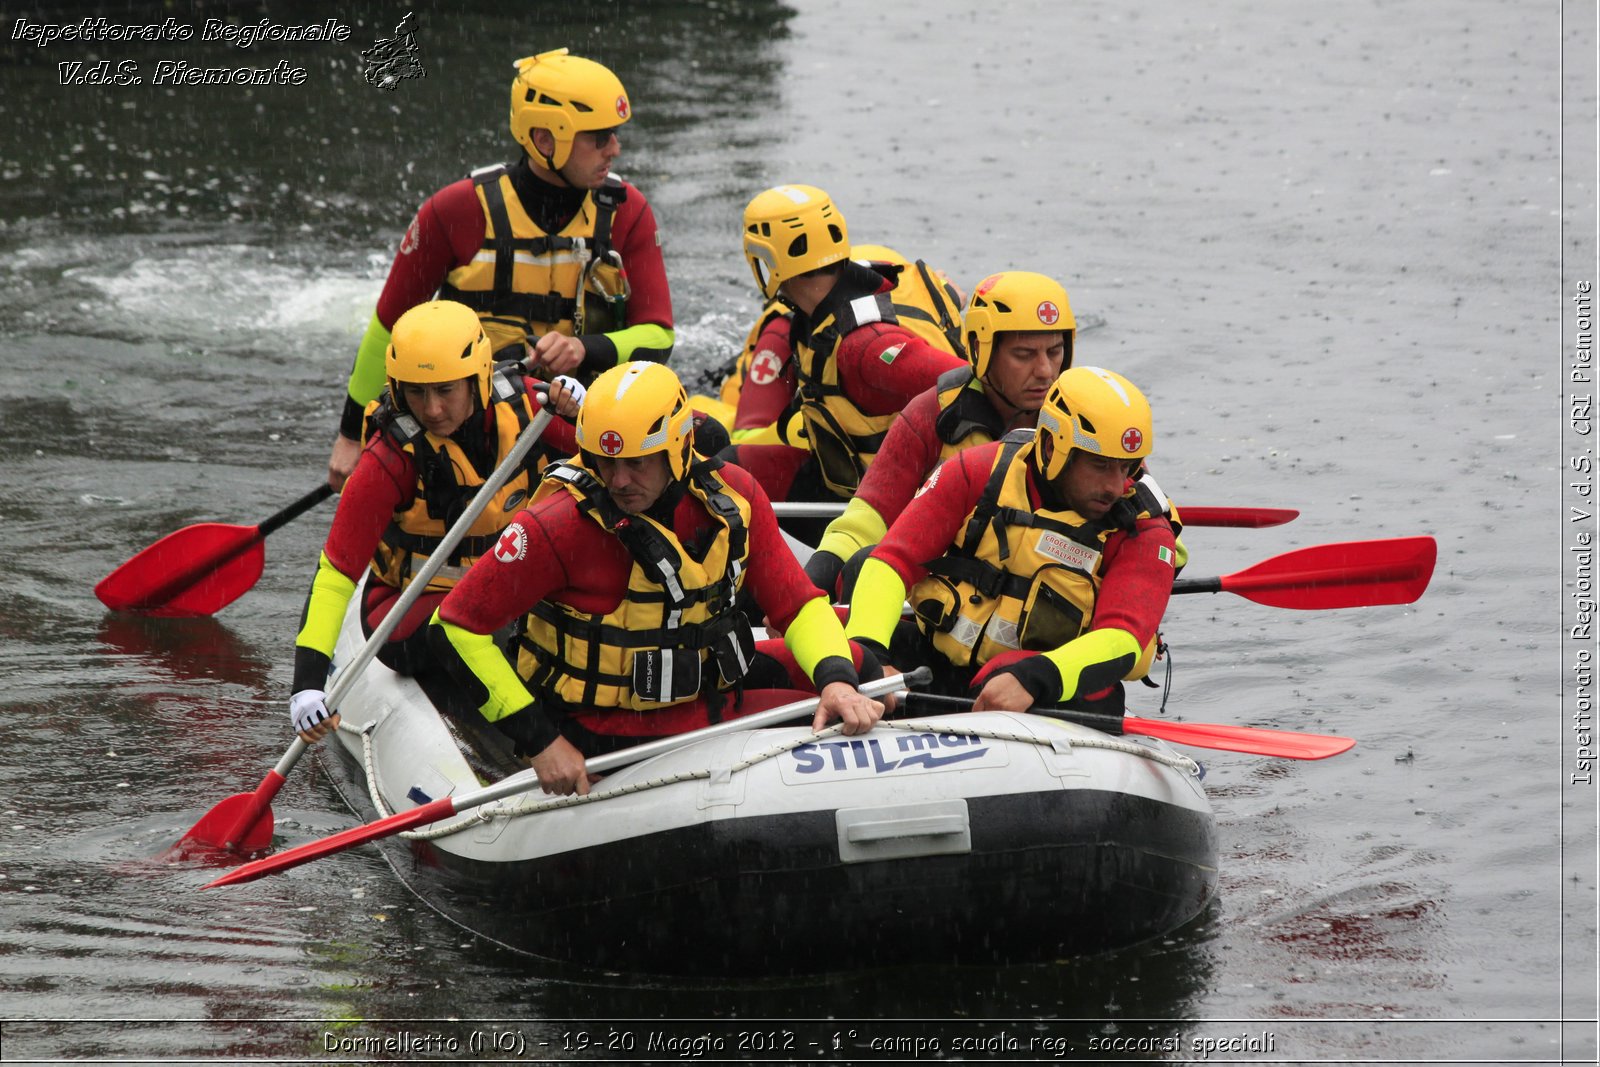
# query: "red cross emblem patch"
1048,313
513,544
1132,438
622,107
764,367
611,442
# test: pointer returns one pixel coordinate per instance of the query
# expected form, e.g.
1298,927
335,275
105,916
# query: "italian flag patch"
1164,555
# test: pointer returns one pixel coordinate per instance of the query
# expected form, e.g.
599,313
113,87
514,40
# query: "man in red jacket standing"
559,257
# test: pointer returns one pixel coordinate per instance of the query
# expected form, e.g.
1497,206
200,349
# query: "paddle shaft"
1252,740
526,781
349,674
1250,518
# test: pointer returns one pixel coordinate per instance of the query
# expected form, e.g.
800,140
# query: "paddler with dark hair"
627,567
859,358
1018,329
446,420
560,257
1039,566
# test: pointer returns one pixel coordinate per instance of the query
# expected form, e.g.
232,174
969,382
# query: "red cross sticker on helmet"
1132,438
622,107
611,442
1048,313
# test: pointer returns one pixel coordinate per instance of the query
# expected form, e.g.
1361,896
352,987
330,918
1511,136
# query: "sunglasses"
602,137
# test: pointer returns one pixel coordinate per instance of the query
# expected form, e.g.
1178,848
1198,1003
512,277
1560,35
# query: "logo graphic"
611,442
933,480
622,107
391,60
408,243
1048,313
513,544
764,367
514,501
1132,438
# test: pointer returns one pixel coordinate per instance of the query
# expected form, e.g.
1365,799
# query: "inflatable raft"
969,838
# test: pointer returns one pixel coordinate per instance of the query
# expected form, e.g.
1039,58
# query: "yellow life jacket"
842,437
446,483
675,634
524,283
1017,579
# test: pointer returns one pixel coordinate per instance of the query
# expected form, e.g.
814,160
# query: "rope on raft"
526,804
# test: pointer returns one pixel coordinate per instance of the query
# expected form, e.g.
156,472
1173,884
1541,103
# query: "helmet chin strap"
1016,408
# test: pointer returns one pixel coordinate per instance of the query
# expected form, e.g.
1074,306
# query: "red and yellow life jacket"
843,438
447,481
524,283
1020,579
675,634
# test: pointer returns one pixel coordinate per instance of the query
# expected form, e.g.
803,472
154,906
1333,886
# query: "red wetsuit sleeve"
447,232
638,240
773,576
769,380
928,526
1138,582
908,456
880,381
383,482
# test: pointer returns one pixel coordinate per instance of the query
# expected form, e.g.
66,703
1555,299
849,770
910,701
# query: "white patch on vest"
965,631
865,309
1066,550
1163,505
513,544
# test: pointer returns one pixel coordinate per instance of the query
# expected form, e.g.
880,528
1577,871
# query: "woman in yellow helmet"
1038,567
628,569
447,419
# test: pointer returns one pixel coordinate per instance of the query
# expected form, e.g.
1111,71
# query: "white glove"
307,708
574,387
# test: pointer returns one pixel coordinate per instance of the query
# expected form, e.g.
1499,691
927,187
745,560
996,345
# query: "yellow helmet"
565,95
789,230
1096,410
1015,300
440,341
637,409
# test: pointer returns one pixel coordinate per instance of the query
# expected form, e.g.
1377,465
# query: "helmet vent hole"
657,426
797,247
1003,308
836,233
766,229
529,95
579,105
466,350
1088,427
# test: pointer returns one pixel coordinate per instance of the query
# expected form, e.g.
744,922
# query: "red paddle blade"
1247,739
240,823
358,835
1250,518
196,571
1346,574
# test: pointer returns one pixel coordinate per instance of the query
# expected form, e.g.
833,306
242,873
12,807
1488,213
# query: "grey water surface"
1327,241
